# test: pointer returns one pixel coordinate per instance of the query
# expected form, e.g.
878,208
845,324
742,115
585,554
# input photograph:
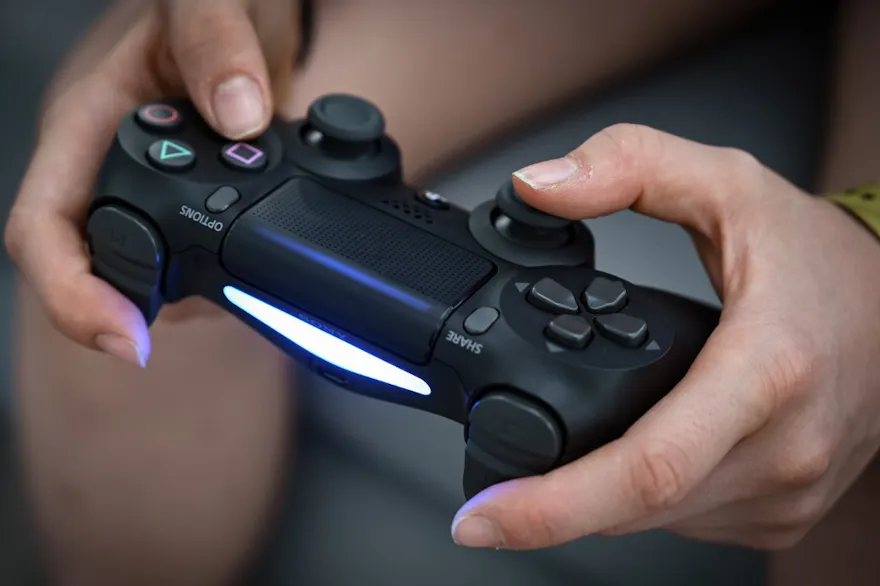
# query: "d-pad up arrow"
653,345
171,150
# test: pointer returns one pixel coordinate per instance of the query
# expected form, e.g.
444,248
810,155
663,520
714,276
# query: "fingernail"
121,348
548,173
238,106
476,531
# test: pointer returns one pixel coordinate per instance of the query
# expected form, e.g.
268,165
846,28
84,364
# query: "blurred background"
378,485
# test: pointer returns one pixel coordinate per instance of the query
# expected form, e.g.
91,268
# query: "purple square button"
244,156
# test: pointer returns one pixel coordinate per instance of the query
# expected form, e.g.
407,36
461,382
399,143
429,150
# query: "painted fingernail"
476,531
548,173
121,348
238,106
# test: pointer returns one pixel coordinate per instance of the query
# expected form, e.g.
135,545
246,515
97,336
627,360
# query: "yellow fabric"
863,202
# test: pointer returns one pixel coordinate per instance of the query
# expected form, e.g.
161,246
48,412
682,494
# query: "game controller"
494,318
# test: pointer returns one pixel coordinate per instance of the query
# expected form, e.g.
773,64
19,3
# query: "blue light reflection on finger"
324,345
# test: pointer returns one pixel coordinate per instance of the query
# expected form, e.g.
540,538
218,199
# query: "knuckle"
744,179
806,467
801,513
13,237
56,304
657,477
632,144
744,167
742,161
201,40
789,369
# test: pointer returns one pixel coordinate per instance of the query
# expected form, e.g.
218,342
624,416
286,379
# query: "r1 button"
242,156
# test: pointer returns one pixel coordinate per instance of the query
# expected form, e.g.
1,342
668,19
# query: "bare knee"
161,475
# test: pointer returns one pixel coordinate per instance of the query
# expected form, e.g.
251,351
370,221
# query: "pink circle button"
159,116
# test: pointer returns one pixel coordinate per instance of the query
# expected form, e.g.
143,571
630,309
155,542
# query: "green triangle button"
172,150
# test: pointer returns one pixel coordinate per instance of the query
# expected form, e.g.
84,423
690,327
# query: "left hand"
779,414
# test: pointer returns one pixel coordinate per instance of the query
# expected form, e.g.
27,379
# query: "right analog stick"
518,221
344,126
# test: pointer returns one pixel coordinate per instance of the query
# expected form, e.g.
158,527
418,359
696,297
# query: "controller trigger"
509,436
127,253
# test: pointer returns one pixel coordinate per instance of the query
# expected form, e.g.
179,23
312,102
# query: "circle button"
159,117
171,155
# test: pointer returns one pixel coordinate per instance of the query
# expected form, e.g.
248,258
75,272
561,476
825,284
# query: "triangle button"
171,155
171,150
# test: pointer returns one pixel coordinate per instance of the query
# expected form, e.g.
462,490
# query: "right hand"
233,58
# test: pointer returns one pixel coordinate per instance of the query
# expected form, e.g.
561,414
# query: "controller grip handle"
128,253
509,436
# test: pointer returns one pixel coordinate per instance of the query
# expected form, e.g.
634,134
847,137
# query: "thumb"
221,63
651,172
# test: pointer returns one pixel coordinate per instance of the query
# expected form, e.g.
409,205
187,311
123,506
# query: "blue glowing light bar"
324,345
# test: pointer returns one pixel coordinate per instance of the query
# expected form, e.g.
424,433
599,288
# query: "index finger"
44,231
650,469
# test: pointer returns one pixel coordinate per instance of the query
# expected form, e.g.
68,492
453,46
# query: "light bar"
325,345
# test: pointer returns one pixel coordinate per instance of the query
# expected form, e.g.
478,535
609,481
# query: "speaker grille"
409,209
394,250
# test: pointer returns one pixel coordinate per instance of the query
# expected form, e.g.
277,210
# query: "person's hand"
233,58
780,412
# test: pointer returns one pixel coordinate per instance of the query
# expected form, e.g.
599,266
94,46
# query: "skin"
132,470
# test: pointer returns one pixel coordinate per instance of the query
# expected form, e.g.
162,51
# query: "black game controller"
495,319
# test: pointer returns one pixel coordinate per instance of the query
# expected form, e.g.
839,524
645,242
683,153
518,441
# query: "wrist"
862,203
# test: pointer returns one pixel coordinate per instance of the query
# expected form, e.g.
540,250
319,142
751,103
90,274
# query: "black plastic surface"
484,314
335,257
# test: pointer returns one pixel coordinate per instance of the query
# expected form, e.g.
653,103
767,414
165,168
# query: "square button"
245,157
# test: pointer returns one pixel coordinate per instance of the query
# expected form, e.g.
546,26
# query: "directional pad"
605,296
624,329
550,296
570,331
